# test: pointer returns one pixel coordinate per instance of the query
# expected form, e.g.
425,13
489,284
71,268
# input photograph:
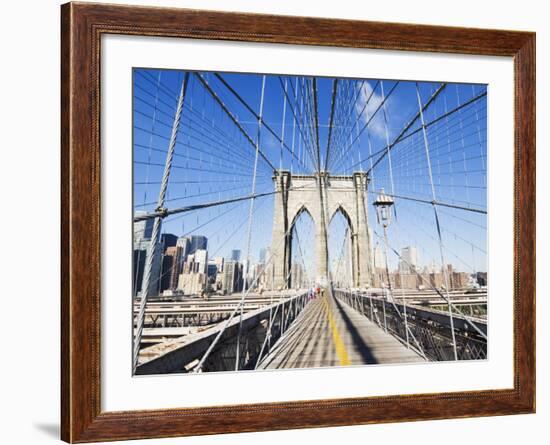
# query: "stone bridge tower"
321,196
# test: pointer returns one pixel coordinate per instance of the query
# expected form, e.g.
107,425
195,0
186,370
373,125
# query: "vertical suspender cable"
283,127
331,120
250,213
479,133
150,146
293,136
157,223
445,272
463,147
388,153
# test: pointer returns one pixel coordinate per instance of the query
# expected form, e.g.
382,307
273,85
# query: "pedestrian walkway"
331,333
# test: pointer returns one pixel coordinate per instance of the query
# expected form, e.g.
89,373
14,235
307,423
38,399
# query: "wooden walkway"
328,332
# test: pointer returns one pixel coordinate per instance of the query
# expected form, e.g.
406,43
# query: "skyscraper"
142,239
218,260
263,253
197,242
409,260
141,252
170,271
143,229
236,255
201,261
190,244
168,240
183,242
194,277
215,266
232,280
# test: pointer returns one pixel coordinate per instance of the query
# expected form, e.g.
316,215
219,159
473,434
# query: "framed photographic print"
278,222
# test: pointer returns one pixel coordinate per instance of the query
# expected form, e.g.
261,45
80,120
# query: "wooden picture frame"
82,26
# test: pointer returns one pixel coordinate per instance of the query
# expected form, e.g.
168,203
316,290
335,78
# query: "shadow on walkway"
360,344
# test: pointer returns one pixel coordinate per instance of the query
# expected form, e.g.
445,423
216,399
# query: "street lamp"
383,205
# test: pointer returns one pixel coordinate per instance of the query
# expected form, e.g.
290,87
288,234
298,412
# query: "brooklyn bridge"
303,222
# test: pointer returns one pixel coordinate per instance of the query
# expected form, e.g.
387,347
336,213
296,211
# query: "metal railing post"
371,309
384,309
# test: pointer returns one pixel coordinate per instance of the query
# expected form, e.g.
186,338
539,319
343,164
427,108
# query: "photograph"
284,222
275,222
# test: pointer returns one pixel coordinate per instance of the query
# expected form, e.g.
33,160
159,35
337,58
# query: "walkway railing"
427,331
253,335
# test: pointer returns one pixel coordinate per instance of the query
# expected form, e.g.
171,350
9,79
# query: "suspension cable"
157,223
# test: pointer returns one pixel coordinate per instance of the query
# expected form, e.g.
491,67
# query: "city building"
218,278
406,280
262,255
236,255
457,280
183,242
430,268
194,276
192,283
219,262
190,244
408,263
197,242
201,260
141,249
143,229
481,278
431,277
197,262
170,268
168,240
232,277
212,269
141,252
256,275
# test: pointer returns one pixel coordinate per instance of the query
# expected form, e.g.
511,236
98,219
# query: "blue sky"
214,161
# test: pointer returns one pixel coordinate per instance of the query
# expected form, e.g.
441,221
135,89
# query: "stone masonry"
321,196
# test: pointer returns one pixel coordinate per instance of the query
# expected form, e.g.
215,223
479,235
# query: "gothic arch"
353,239
303,209
298,213
340,208
320,197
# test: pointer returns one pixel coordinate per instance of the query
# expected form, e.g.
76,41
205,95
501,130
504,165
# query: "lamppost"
383,205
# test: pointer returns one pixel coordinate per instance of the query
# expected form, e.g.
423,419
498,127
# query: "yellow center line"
336,337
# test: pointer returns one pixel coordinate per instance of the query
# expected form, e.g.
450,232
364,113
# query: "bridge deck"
331,333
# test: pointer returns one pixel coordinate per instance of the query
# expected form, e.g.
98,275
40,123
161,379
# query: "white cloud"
376,125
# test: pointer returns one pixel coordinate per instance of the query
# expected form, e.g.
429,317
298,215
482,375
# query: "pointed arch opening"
302,265
341,249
